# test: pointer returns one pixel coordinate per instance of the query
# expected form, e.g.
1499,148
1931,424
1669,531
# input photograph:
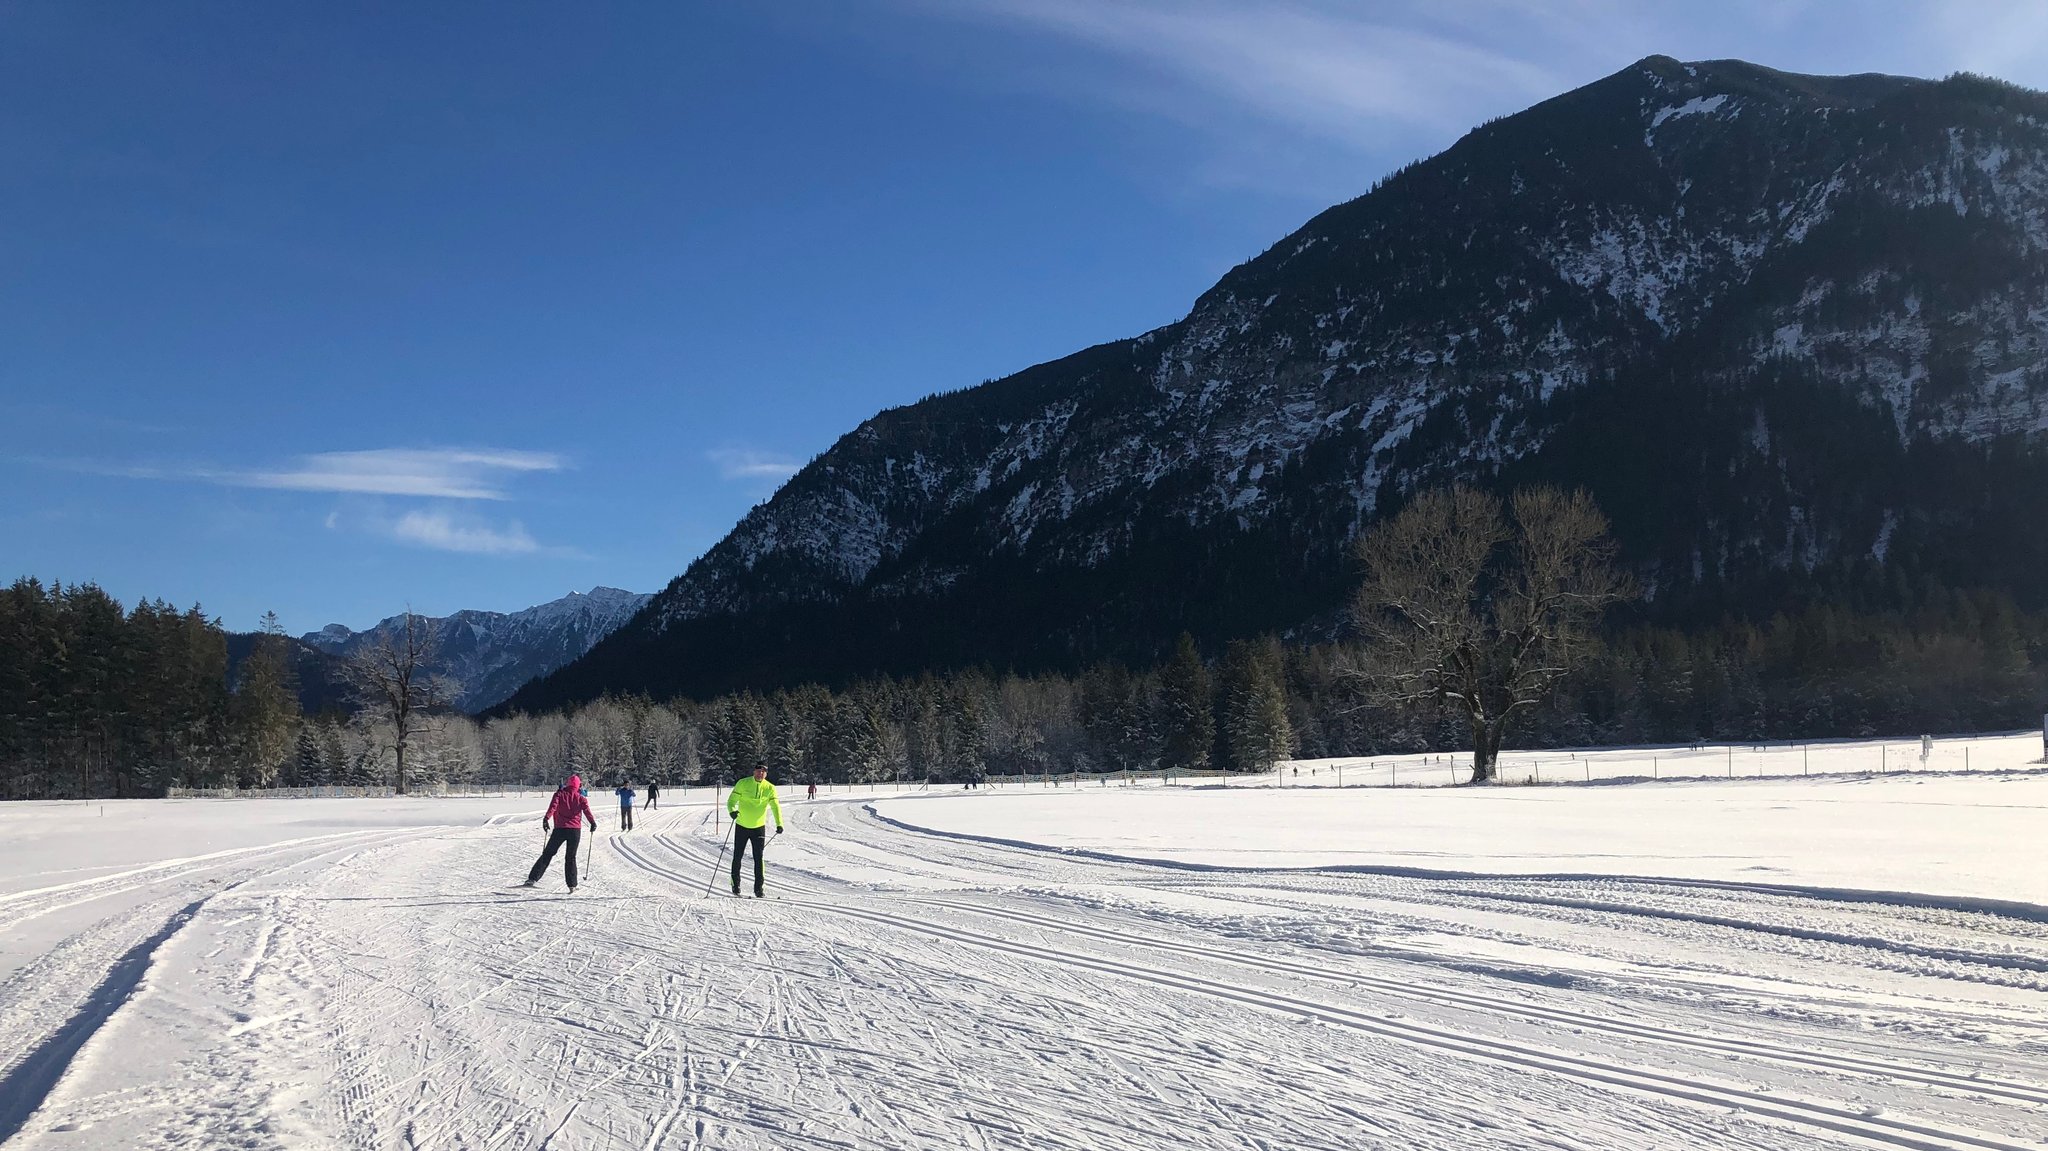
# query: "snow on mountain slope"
1513,263
1747,246
490,654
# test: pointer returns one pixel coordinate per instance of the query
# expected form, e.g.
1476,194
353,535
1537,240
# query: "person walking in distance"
653,794
814,792
749,804
566,813
625,794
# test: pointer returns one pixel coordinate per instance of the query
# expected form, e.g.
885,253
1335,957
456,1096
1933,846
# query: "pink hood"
568,808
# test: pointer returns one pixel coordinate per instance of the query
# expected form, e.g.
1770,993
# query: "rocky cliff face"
1768,319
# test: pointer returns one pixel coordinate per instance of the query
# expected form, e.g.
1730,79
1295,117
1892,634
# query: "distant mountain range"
490,654
1791,331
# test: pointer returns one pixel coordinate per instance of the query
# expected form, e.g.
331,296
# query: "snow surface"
1843,961
1698,105
1970,842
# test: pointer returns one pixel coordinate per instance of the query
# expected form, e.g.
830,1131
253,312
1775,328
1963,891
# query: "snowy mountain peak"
1615,288
490,654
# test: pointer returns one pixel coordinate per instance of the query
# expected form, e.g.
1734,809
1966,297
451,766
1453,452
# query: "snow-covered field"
2016,751
1781,963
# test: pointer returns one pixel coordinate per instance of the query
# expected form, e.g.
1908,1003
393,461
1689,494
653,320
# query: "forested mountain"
1787,329
488,654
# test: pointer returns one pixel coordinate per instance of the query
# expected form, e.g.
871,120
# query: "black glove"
733,815
778,829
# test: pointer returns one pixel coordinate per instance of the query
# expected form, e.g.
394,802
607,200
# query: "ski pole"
721,858
590,856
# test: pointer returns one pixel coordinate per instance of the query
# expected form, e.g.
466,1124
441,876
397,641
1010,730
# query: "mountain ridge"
1774,255
491,654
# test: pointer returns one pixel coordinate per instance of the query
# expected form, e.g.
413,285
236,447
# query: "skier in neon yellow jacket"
749,804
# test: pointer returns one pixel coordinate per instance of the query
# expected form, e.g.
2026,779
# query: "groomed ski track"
390,989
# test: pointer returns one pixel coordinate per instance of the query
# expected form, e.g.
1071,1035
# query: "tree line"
100,701
1476,621
1960,661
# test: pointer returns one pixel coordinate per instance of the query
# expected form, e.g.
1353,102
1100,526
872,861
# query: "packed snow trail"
390,989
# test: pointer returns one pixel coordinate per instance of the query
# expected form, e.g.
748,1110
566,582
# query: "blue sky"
332,309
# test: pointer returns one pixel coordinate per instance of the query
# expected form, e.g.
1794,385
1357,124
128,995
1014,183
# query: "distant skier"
625,794
653,794
749,804
813,793
566,812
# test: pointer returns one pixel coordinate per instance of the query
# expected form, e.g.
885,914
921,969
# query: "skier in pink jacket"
566,811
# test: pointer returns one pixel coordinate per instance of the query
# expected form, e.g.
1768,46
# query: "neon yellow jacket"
751,801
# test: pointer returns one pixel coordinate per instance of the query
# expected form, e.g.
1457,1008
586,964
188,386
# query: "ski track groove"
1810,1113
532,1020
1977,1084
1840,1062
1836,1120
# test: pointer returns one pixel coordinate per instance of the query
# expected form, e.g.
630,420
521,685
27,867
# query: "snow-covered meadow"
2017,751
1791,962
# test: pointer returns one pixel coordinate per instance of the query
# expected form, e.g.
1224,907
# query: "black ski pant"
653,799
758,836
626,817
572,836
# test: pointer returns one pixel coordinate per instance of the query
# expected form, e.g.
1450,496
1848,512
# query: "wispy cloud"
1318,95
1316,84
384,475
442,532
1338,72
746,464
433,473
439,473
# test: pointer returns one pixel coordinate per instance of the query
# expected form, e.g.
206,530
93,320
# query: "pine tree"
965,724
737,738
1187,719
306,767
265,710
1112,715
1256,729
924,738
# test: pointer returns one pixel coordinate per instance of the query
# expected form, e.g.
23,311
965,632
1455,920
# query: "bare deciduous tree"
388,675
1463,604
